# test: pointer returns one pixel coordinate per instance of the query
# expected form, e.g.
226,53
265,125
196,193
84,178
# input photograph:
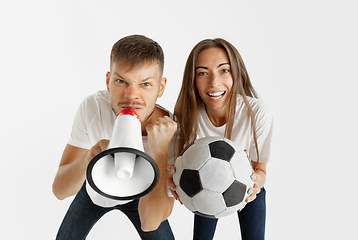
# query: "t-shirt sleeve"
79,135
264,127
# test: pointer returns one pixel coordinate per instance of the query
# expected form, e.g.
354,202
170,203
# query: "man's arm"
72,170
156,206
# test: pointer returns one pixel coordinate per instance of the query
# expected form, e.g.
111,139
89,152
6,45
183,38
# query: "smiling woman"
218,96
214,83
218,54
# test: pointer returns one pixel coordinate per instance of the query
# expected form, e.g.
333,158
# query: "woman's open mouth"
216,95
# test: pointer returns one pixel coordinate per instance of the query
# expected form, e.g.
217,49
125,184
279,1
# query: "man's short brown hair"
134,50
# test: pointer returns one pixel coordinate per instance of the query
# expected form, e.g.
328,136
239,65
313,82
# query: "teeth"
216,94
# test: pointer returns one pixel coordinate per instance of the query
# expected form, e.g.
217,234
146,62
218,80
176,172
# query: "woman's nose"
214,80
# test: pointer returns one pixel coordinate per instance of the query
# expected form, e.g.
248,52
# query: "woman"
218,99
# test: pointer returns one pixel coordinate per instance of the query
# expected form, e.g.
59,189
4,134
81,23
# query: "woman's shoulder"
257,105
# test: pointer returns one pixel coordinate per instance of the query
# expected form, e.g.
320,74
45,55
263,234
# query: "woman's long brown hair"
186,107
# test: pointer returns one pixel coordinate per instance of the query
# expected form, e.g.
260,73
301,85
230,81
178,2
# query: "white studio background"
301,57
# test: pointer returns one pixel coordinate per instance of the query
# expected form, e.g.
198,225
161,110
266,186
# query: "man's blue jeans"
252,221
83,214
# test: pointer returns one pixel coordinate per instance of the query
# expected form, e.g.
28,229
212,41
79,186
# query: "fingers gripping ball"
212,177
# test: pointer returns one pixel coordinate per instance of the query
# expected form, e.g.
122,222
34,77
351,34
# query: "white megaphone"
123,171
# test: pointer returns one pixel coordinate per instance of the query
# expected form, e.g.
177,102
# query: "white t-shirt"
242,131
94,121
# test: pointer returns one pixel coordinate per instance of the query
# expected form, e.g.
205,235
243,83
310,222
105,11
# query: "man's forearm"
69,178
156,206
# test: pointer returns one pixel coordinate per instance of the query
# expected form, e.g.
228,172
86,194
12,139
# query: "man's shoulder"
97,99
96,104
163,112
99,96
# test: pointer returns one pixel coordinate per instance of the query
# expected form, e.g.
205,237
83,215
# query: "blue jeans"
252,221
83,214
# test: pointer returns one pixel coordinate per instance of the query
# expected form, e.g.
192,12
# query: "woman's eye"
202,73
225,71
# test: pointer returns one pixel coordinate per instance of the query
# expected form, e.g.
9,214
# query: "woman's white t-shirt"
242,131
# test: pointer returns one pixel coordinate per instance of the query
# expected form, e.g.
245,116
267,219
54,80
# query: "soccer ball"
212,177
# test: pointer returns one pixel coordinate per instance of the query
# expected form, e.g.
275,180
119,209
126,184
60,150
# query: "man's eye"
147,84
120,81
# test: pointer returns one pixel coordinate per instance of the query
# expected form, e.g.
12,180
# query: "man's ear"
108,77
163,83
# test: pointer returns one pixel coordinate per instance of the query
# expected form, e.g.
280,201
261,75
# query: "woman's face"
214,80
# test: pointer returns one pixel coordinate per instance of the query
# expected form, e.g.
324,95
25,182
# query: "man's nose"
131,92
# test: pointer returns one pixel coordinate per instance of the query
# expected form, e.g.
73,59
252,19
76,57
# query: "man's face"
136,89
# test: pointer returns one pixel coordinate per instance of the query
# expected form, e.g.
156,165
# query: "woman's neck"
217,118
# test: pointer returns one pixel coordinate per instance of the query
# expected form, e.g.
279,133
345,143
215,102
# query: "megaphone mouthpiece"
128,111
127,131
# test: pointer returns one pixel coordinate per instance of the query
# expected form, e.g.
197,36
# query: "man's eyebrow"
143,80
118,75
148,79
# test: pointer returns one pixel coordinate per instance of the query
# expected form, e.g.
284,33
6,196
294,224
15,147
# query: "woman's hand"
170,183
253,191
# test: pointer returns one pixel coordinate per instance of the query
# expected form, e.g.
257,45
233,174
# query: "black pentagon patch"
190,182
204,215
221,150
234,194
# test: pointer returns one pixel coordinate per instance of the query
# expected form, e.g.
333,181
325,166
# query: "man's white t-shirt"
242,134
94,121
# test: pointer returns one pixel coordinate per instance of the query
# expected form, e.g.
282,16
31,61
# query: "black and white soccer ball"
212,177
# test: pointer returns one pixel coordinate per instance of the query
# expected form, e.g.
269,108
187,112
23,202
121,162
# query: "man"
134,82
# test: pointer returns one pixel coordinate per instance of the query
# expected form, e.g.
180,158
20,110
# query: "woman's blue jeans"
83,214
252,221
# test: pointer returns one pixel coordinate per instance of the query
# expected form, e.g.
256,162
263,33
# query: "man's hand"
160,133
96,149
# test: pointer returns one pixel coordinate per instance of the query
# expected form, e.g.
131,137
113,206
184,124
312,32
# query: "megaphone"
123,171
